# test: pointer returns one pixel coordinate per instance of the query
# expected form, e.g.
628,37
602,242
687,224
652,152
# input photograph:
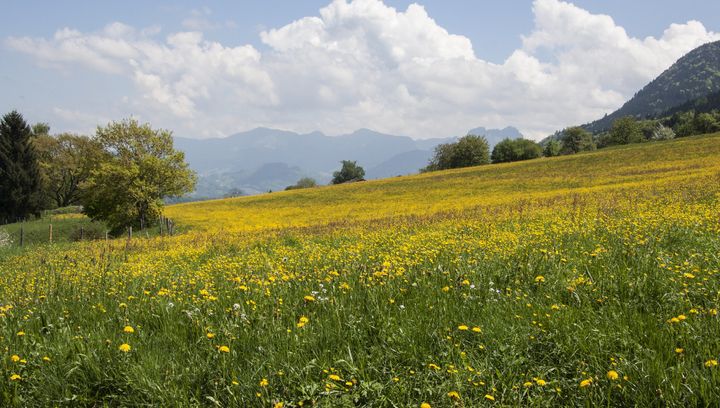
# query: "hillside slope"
693,76
632,166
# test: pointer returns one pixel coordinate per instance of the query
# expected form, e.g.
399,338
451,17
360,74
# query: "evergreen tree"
20,179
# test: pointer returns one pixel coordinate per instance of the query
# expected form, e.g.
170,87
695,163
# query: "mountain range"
265,159
693,77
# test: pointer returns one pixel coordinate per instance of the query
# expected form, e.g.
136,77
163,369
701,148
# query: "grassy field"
582,280
66,226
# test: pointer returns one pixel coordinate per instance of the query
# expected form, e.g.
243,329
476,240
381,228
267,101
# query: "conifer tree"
20,179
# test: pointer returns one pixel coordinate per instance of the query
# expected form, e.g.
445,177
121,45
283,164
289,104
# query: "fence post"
82,233
22,236
130,232
50,229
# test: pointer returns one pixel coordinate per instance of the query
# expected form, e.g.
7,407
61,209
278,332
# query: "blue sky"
473,69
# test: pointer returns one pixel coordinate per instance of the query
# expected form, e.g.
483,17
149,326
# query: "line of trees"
628,130
474,150
119,176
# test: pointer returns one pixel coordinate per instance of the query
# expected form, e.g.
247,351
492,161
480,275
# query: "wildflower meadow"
591,279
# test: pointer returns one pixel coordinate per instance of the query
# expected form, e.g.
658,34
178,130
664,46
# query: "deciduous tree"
142,168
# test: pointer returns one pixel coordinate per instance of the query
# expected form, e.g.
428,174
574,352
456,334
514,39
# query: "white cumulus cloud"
362,63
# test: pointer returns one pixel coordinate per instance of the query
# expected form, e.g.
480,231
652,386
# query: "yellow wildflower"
224,349
125,348
612,375
128,329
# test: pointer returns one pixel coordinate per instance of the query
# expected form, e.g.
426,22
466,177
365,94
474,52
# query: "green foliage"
470,150
575,140
350,171
20,178
40,129
305,182
692,123
510,150
141,169
552,148
625,130
67,161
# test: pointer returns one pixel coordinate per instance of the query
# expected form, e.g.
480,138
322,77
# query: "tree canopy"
509,150
470,150
576,139
350,171
66,162
142,168
305,182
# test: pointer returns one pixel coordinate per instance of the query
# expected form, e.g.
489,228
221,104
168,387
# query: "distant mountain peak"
495,136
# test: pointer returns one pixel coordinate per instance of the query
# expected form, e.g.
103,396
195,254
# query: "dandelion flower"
279,405
20,333
125,348
454,395
425,405
711,363
586,383
15,377
462,327
46,359
15,358
210,335
309,298
489,397
612,375
128,329
264,382
527,384
540,382
539,279
679,350
335,377
224,349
